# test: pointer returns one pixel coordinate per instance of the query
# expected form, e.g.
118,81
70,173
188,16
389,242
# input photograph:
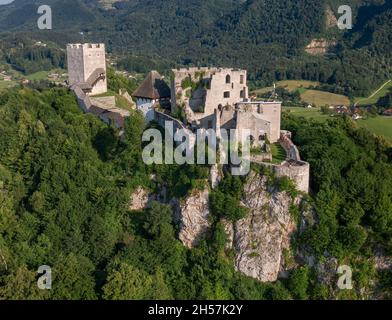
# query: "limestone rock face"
215,176
319,46
260,239
140,200
192,215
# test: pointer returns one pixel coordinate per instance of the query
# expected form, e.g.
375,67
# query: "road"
374,93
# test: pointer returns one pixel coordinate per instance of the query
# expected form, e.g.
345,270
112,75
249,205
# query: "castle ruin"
207,98
214,98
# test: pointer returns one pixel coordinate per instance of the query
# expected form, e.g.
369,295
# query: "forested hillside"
267,37
65,185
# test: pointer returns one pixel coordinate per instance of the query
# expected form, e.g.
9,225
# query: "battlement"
196,73
85,46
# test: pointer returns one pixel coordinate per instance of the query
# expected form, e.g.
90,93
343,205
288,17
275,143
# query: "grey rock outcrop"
260,239
141,199
192,215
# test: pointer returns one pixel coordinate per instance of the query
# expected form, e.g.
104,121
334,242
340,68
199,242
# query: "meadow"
381,92
380,125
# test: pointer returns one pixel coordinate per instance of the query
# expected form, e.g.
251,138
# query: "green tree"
127,283
73,278
22,285
298,283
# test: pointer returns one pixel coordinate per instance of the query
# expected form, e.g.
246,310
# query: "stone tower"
87,67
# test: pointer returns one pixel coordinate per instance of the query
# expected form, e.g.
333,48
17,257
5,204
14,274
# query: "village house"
388,113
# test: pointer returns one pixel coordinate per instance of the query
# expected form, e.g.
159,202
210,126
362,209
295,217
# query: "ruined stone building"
218,98
206,98
87,67
215,98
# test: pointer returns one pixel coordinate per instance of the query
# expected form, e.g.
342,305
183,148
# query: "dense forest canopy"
267,37
66,178
65,182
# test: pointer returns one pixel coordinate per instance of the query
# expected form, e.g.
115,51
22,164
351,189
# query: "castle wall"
291,149
147,107
236,88
94,57
75,64
84,100
298,171
258,127
268,111
162,118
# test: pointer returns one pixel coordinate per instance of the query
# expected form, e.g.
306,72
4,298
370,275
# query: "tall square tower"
87,67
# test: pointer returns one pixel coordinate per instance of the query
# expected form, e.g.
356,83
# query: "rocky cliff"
260,241
192,216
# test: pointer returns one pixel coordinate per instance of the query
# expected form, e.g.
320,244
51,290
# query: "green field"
7,84
380,125
381,92
322,98
17,77
313,113
290,85
310,96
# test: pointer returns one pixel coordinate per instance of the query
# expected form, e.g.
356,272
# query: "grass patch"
322,98
379,93
41,75
314,113
109,93
379,125
121,102
7,84
290,85
278,153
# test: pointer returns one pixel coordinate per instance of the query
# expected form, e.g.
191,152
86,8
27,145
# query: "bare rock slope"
192,215
260,239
